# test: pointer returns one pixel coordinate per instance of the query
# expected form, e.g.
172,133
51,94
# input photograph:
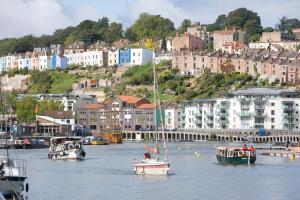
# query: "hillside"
173,87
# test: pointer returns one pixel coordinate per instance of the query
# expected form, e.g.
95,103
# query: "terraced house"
274,66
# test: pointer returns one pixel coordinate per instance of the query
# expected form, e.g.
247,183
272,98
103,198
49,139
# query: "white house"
24,62
113,57
93,58
44,62
140,56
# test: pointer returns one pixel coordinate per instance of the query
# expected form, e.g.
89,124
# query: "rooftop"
263,91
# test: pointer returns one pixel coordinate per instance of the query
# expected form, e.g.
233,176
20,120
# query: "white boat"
151,167
66,148
12,177
154,166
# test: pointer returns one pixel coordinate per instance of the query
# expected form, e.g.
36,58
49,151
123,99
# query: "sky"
37,17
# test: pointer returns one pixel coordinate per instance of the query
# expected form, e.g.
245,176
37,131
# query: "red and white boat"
154,166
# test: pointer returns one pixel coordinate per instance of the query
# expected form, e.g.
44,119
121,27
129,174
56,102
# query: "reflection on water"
107,173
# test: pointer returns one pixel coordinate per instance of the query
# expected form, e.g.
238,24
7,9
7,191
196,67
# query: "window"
273,127
272,104
272,120
272,112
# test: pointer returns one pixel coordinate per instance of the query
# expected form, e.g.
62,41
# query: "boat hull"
151,168
235,160
75,154
11,185
114,138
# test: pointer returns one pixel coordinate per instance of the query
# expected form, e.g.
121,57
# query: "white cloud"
165,8
22,17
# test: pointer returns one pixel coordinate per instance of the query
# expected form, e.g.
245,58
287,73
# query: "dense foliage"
27,108
87,31
51,82
138,81
184,25
150,26
286,24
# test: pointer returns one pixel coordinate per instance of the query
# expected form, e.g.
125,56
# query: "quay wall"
215,134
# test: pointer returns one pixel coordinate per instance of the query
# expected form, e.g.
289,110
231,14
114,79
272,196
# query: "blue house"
124,57
59,61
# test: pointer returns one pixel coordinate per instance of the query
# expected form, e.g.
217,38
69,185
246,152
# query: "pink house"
187,41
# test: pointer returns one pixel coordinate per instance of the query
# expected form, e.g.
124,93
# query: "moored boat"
114,138
66,148
235,155
100,141
13,177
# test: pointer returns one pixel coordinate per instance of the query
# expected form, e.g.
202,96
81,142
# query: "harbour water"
106,173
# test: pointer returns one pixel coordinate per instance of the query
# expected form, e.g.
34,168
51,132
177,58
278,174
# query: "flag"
36,110
154,150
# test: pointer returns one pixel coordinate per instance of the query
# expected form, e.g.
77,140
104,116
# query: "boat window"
229,153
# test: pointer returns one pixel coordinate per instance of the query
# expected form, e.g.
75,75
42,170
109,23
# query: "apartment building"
118,112
224,36
251,108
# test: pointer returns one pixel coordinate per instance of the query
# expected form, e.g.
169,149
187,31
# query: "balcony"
209,114
245,100
288,122
260,100
259,107
287,108
223,121
198,122
244,114
288,116
245,107
222,114
259,115
209,121
198,114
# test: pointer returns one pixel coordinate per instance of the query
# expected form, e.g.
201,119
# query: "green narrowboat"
235,155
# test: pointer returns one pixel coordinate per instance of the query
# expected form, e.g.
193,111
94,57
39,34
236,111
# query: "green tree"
25,109
48,105
245,19
282,24
152,26
184,25
268,29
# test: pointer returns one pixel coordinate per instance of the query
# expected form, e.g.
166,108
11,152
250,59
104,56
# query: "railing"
244,114
245,107
257,107
223,121
259,115
222,114
287,108
288,116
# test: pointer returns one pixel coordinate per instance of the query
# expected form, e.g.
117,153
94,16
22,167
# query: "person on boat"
147,155
245,147
252,151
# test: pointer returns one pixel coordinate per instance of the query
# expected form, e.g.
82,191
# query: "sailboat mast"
158,106
155,102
